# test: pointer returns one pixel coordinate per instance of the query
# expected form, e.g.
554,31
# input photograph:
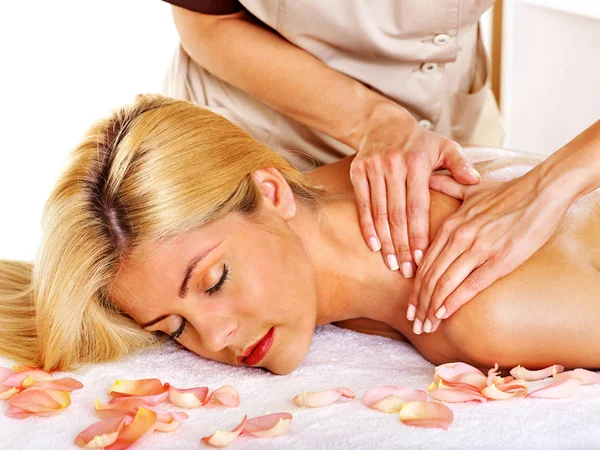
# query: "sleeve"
217,7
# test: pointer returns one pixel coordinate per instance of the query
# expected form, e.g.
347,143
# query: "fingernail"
440,312
407,270
427,326
417,327
473,172
410,314
418,257
375,245
393,262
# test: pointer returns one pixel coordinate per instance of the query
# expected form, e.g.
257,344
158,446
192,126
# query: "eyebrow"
183,289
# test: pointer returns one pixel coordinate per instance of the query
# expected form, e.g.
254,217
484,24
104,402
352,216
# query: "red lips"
257,351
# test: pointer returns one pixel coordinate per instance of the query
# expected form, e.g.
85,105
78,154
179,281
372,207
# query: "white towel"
337,358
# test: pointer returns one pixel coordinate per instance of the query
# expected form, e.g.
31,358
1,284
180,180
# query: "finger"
447,185
417,204
457,163
480,279
458,271
438,244
379,213
395,179
363,203
452,251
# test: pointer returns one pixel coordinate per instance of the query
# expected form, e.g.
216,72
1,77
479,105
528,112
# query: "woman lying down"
171,221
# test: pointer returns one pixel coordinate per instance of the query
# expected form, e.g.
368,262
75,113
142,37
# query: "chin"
286,357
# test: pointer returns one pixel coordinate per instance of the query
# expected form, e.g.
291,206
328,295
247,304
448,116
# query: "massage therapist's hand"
497,228
390,175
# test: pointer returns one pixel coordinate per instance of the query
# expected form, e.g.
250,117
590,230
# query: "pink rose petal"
167,426
7,392
16,379
492,374
187,398
455,394
139,429
321,398
271,425
586,376
559,389
60,384
38,402
390,399
521,373
103,433
224,438
140,388
128,405
5,372
426,415
227,395
149,399
517,388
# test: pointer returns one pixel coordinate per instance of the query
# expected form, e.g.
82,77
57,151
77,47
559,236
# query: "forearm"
283,76
574,170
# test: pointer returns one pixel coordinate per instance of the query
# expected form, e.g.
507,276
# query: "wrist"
561,178
373,111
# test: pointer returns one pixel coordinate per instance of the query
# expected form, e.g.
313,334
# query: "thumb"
447,185
459,166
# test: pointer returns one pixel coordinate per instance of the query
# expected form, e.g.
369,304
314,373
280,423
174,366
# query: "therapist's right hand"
390,175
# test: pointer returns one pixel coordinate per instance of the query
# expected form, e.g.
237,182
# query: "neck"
352,281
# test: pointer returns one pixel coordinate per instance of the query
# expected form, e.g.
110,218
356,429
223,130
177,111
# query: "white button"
441,39
428,67
426,124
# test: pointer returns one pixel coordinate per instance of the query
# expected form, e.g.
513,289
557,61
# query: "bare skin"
305,269
544,312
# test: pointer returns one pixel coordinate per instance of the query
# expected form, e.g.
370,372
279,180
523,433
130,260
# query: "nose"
215,335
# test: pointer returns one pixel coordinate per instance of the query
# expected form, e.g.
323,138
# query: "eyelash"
213,290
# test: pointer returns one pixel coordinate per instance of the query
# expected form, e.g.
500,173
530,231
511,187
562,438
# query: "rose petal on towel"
426,415
187,398
60,384
128,405
102,433
7,392
162,415
492,374
373,397
140,427
168,426
149,399
322,398
517,388
521,373
224,438
141,388
17,378
558,389
586,376
457,374
455,394
271,425
5,372
39,402
228,395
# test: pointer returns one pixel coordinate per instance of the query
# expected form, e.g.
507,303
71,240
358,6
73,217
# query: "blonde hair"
150,171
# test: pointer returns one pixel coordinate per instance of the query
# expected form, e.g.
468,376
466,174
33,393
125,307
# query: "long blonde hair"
150,171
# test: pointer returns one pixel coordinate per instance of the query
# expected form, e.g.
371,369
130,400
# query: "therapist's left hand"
497,228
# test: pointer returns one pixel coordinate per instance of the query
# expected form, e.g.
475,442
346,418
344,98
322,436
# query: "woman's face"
250,278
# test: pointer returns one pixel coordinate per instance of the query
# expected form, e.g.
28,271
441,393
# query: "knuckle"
464,234
421,308
391,161
403,251
472,283
397,218
416,159
363,208
415,209
443,281
380,212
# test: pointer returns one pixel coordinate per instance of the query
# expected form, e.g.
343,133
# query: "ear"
276,191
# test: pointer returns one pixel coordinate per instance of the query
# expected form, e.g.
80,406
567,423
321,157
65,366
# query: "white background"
63,65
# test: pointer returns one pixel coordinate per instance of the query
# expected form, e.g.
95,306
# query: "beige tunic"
426,55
